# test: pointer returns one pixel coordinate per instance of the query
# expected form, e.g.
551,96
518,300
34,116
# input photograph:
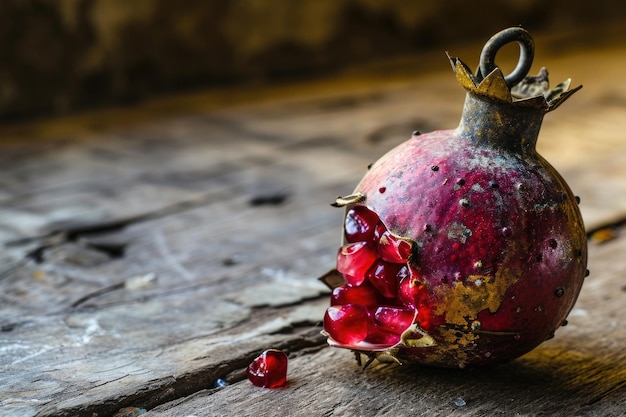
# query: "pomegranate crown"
517,88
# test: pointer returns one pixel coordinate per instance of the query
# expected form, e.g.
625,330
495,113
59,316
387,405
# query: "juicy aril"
462,247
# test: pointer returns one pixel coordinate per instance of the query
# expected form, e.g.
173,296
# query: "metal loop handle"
497,41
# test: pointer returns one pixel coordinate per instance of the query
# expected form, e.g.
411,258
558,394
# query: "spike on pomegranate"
463,247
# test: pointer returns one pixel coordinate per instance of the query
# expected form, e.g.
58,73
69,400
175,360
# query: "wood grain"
143,261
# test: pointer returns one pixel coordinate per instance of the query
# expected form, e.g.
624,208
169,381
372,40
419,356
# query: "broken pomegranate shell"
463,247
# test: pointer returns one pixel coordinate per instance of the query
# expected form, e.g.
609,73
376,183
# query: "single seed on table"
269,370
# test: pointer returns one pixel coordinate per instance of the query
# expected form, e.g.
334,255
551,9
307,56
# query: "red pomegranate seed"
393,249
384,277
413,293
410,291
269,370
378,232
353,261
363,295
347,324
393,319
360,224
427,320
378,336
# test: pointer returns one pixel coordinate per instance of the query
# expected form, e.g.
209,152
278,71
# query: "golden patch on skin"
465,300
456,338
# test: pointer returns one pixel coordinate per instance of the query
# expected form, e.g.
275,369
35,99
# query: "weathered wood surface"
144,260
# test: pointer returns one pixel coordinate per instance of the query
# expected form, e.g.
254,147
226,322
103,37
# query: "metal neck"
493,123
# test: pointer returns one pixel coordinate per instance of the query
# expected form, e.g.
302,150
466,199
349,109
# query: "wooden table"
149,253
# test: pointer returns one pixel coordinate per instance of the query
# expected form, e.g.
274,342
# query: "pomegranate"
269,369
463,247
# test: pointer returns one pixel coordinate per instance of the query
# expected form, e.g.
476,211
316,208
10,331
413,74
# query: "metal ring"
497,41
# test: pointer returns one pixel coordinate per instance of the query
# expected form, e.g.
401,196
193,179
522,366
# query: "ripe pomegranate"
463,247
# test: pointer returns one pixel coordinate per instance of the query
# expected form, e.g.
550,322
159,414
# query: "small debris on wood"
220,383
459,402
604,235
140,282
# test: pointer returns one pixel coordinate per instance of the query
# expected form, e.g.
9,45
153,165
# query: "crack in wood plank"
183,386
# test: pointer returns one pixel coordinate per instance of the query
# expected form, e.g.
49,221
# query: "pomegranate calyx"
416,337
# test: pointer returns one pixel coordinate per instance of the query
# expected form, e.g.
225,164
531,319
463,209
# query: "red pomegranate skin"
498,242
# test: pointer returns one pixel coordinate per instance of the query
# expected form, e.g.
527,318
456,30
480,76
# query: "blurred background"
58,56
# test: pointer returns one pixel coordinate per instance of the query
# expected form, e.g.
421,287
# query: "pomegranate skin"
499,243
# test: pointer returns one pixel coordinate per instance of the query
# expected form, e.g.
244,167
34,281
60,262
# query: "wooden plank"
142,263
582,372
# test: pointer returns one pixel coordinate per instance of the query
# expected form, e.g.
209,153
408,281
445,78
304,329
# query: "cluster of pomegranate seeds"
382,295
269,370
